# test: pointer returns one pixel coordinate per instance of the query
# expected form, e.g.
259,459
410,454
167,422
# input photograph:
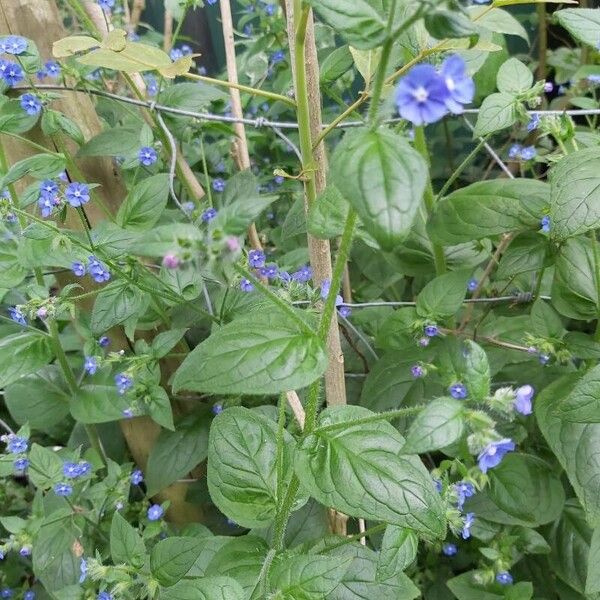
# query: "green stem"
280,447
438,252
205,169
284,512
385,416
83,17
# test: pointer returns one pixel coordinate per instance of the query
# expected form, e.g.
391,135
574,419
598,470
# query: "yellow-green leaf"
179,67
73,44
116,40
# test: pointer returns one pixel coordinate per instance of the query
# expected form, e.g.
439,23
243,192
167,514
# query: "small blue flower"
514,152
16,444
13,44
450,549
106,4
212,2
127,413
12,74
303,274
63,489
123,383
155,512
17,316
104,341
25,551
208,215
188,207
83,569
417,371
6,593
460,86
545,224
256,258
31,104
458,391
269,271
176,54
202,70
71,470
421,95
137,477
345,311
269,9
594,79
438,485
523,397
77,194
186,50
277,56
463,490
78,268
218,184
104,596
246,285
548,87
84,468
491,456
278,179
472,285
528,153
151,85
467,524
533,123
98,270
52,68
544,359
147,156
20,464
217,409
431,330
504,578
29,595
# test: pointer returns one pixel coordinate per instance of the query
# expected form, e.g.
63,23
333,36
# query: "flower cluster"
11,72
425,95
524,153
96,268
17,446
54,194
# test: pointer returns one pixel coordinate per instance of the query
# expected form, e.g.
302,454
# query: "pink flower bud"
42,312
170,261
233,244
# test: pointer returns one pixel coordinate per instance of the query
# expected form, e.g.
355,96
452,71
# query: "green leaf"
242,478
335,64
497,21
366,62
443,296
524,486
497,112
327,214
46,467
145,203
526,253
173,557
263,353
22,354
176,453
134,58
582,345
165,341
582,23
488,208
13,119
95,403
310,577
73,44
358,469
575,194
40,166
464,587
437,426
357,21
592,582
476,371
126,544
577,446
117,141
54,122
583,403
383,178
205,588
40,399
545,321
115,304
514,77
574,292
443,24
398,551
191,96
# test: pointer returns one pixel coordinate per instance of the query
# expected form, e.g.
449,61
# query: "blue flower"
84,468
12,74
439,486
63,489
278,179
458,391
277,56
303,274
548,87
104,341
6,593
77,194
269,271
523,397
450,549
71,470
417,371
211,2
104,596
460,86
528,153
533,123
17,316
467,524
137,477
31,104
246,285
472,285
188,207
463,490
491,456
98,270
421,95
514,152
147,156
256,258
16,444
545,224
345,311
202,70
504,578
151,85
20,464
186,50
13,44
83,569
431,330
218,184
78,268
52,68
123,383
176,54
208,215
106,4
25,551
217,409
155,512
29,595
48,188
269,9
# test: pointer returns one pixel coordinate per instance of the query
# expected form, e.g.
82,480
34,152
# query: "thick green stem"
385,416
438,251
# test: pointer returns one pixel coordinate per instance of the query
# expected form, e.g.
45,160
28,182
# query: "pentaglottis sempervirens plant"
323,326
